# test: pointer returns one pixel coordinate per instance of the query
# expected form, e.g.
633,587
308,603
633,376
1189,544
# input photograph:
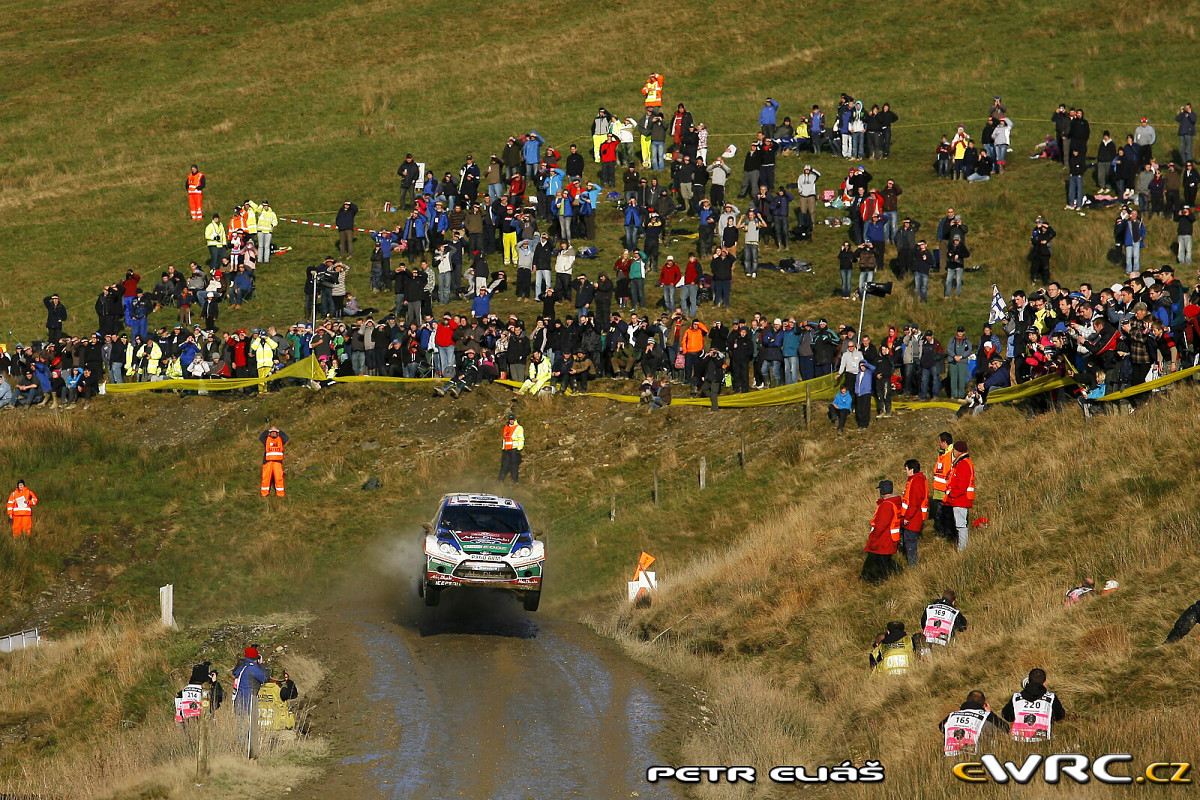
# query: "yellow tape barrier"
308,368
1152,385
821,389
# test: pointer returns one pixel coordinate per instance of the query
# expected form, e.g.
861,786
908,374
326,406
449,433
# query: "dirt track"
477,699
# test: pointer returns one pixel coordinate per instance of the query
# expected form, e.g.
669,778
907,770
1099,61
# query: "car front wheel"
530,600
432,595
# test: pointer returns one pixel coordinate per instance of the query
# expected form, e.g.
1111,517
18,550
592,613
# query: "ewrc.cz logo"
1078,768
846,772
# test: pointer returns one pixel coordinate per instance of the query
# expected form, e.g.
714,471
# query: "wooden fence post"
807,407
703,470
612,509
656,486
202,744
742,453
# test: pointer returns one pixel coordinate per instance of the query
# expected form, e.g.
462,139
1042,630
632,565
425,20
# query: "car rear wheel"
531,600
432,596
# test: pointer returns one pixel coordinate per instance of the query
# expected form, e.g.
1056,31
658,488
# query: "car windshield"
492,520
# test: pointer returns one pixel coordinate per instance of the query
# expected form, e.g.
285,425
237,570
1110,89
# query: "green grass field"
307,104
318,103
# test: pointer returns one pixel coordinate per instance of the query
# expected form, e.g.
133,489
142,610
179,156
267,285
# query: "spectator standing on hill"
884,534
248,677
1144,136
1187,131
914,509
958,352
1130,234
1062,125
1040,250
345,227
56,315
1185,220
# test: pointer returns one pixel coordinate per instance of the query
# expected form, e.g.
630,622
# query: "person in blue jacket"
791,352
766,118
864,390
839,409
531,152
248,676
633,224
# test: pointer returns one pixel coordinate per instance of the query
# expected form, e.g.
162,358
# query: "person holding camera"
1040,251
1130,234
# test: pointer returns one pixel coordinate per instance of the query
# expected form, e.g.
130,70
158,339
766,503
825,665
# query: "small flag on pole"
997,312
644,563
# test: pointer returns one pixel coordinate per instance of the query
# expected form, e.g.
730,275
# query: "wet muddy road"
476,699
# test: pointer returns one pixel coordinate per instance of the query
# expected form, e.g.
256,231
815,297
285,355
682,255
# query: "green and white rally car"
483,541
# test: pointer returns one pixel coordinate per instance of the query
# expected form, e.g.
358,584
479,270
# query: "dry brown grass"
790,625
82,700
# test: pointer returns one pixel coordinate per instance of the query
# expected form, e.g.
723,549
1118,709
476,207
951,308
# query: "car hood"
485,541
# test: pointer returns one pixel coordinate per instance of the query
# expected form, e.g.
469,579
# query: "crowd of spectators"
606,324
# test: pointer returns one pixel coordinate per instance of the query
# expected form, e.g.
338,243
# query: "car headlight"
447,548
522,552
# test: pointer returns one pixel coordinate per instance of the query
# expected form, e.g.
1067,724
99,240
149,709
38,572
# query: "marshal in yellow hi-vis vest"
273,713
894,658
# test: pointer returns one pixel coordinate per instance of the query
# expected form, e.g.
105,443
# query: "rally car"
483,541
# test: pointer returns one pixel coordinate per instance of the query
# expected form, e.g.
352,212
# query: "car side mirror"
428,526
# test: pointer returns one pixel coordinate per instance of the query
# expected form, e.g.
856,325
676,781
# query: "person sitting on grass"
581,369
662,396
466,376
839,409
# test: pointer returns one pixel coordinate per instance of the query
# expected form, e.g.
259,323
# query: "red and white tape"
324,225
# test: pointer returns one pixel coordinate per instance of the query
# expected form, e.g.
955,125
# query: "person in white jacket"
564,268
1002,139
806,187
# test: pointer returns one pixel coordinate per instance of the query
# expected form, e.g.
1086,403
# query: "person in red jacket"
914,509
668,276
960,491
443,339
885,534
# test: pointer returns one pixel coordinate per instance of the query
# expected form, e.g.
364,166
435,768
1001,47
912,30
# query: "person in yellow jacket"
131,363
215,238
20,509
263,349
174,369
151,354
539,374
512,442
266,219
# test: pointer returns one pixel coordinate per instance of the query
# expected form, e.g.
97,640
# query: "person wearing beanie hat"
960,490
512,442
20,509
883,538
248,676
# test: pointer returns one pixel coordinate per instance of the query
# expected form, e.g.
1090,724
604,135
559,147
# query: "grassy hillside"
783,616
307,104
317,103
